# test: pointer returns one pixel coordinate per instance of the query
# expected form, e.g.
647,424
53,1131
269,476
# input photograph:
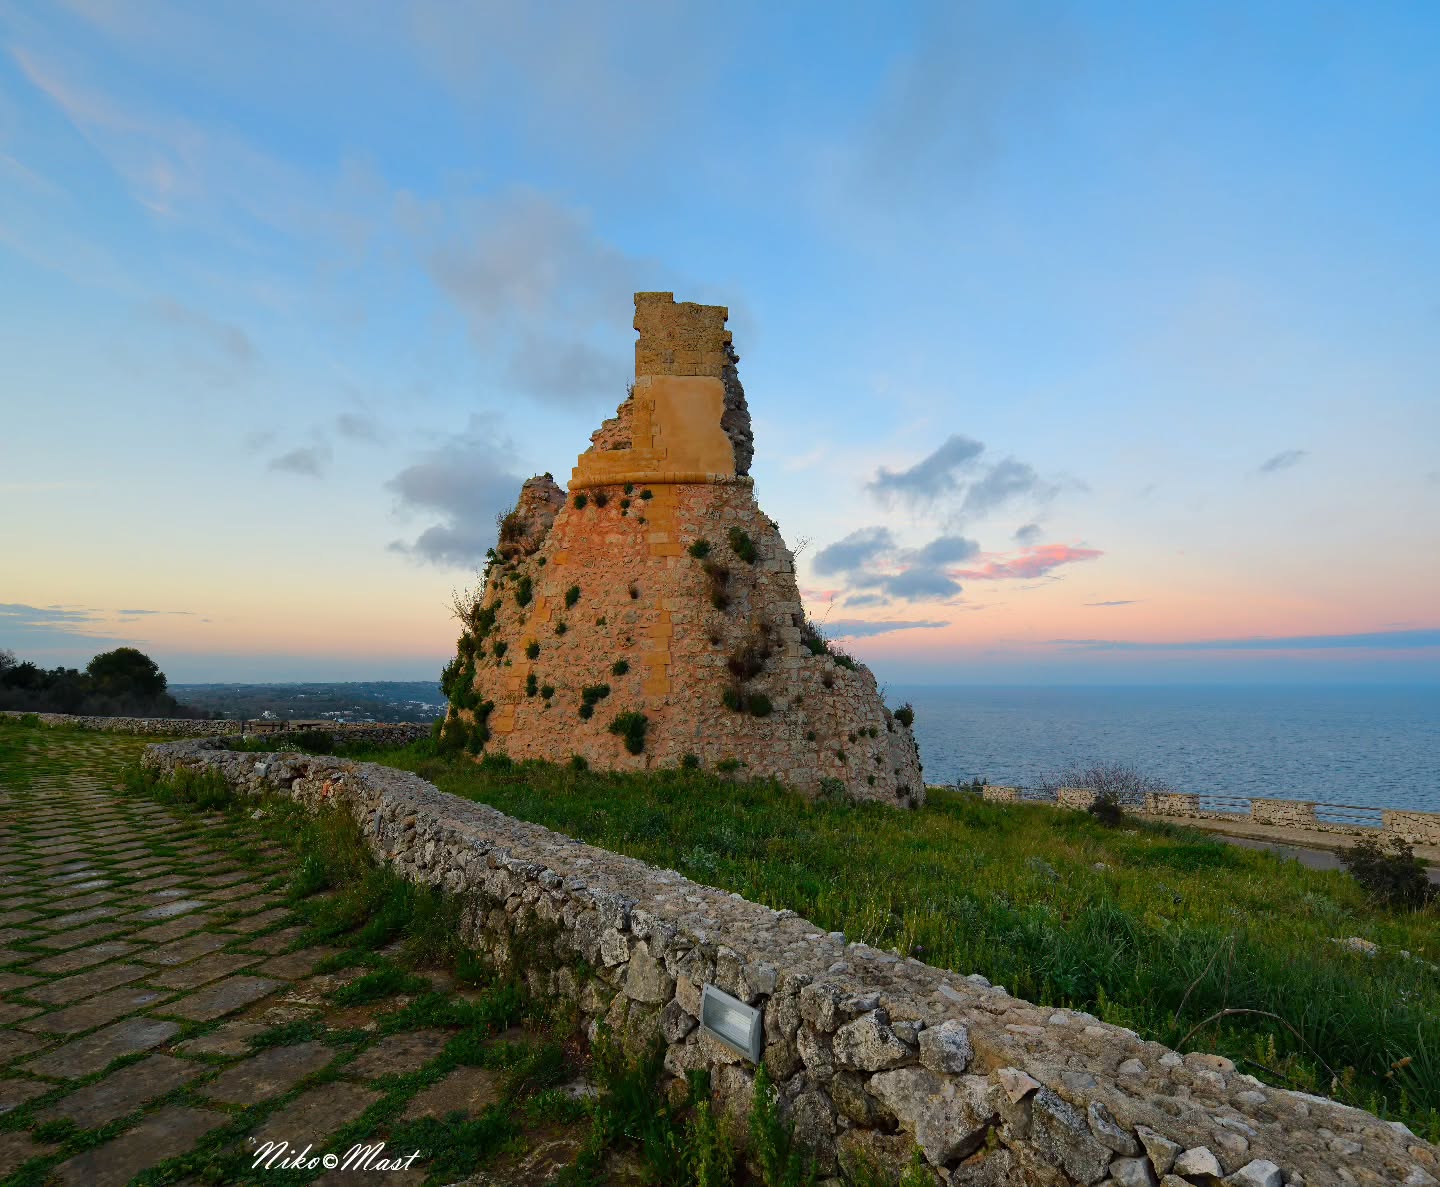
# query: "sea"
1371,746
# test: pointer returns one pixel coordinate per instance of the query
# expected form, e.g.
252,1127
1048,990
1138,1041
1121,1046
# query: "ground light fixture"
731,1021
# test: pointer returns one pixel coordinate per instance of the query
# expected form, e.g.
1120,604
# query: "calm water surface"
1372,746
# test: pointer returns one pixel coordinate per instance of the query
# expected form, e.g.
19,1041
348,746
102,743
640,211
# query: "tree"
127,672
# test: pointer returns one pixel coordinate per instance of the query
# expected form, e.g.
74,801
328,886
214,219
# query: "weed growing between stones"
572,595
717,583
700,549
590,695
630,727
580,500
742,546
681,1138
547,691
905,715
601,498
532,649
620,667
532,686
500,648
524,590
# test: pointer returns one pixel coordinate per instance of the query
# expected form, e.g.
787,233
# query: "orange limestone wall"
656,620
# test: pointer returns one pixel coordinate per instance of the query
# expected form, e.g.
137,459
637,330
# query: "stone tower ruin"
651,618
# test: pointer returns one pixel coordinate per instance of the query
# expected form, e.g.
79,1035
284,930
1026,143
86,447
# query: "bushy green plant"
1390,873
905,715
700,549
1105,809
589,696
620,667
631,727
547,691
759,705
572,595
561,626
690,762
780,1158
580,500
532,686
524,590
742,546
647,494
532,649
601,498
500,648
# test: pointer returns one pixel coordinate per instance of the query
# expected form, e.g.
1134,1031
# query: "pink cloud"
1028,562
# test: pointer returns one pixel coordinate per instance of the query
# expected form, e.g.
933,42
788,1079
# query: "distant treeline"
120,683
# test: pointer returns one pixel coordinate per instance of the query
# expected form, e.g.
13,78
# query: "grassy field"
1148,926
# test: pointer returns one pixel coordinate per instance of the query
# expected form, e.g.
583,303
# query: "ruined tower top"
683,339
686,420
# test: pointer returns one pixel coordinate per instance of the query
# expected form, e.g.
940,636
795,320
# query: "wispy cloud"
26,628
1376,640
1027,533
871,558
1036,561
1118,602
358,426
959,477
856,628
854,551
220,340
1282,461
536,285
309,461
468,481
934,476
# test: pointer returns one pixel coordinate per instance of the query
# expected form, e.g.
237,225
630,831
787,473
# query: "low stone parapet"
873,1055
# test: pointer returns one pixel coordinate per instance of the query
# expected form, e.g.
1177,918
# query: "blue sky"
1116,324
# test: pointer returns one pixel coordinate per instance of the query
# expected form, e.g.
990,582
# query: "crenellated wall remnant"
874,1055
655,620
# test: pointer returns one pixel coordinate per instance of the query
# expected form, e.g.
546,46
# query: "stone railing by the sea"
371,733
1414,828
873,1054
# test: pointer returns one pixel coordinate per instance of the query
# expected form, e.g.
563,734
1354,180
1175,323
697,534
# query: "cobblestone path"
161,1011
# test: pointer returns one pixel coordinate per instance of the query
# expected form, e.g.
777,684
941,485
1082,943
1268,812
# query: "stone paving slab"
16,1149
314,1115
179,951
93,1012
165,1134
207,968
124,1091
15,1091
397,1054
86,1056
268,1074
217,1000
81,958
67,989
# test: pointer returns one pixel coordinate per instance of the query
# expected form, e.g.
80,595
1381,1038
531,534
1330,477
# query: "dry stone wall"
658,620
873,1055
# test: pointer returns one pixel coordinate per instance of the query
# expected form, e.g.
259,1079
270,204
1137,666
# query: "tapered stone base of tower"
655,622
